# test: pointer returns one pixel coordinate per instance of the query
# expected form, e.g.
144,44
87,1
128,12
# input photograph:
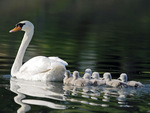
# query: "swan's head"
95,75
107,76
24,26
123,77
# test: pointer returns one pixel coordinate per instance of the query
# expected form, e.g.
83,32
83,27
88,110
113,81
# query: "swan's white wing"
39,64
58,60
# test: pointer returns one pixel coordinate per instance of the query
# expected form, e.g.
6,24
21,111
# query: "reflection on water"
36,89
58,96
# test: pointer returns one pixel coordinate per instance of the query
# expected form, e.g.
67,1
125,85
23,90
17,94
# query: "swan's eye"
20,24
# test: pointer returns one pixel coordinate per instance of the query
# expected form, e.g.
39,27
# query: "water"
106,36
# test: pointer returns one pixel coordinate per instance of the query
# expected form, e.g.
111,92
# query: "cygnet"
87,79
123,77
77,80
113,83
88,70
68,77
97,80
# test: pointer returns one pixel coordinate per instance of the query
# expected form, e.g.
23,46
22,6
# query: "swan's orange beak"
17,28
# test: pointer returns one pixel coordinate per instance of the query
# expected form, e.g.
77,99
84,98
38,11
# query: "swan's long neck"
19,58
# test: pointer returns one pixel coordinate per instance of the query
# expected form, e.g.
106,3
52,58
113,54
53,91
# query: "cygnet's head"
95,75
88,70
76,74
107,76
87,76
24,26
123,77
67,73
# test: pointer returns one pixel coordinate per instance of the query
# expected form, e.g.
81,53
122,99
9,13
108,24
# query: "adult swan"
38,68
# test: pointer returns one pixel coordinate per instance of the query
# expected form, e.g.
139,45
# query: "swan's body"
38,68
123,77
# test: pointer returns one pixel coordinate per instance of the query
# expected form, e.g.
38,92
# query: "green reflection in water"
102,35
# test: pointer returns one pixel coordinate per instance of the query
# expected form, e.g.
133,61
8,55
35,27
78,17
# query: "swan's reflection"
90,95
18,100
49,90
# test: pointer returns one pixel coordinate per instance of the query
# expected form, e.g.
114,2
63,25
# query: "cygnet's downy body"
113,83
68,77
77,80
124,78
87,79
96,80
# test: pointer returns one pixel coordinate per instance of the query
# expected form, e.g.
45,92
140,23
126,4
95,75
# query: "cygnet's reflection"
48,90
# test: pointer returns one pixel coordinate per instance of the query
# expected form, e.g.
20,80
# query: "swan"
123,77
38,68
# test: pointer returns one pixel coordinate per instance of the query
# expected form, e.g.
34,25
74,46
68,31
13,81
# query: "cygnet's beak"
119,78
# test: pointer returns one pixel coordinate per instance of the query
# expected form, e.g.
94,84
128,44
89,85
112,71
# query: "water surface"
106,36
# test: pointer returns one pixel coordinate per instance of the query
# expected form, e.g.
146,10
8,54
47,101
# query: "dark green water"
104,35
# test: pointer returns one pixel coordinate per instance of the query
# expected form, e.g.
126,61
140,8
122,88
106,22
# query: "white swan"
38,68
